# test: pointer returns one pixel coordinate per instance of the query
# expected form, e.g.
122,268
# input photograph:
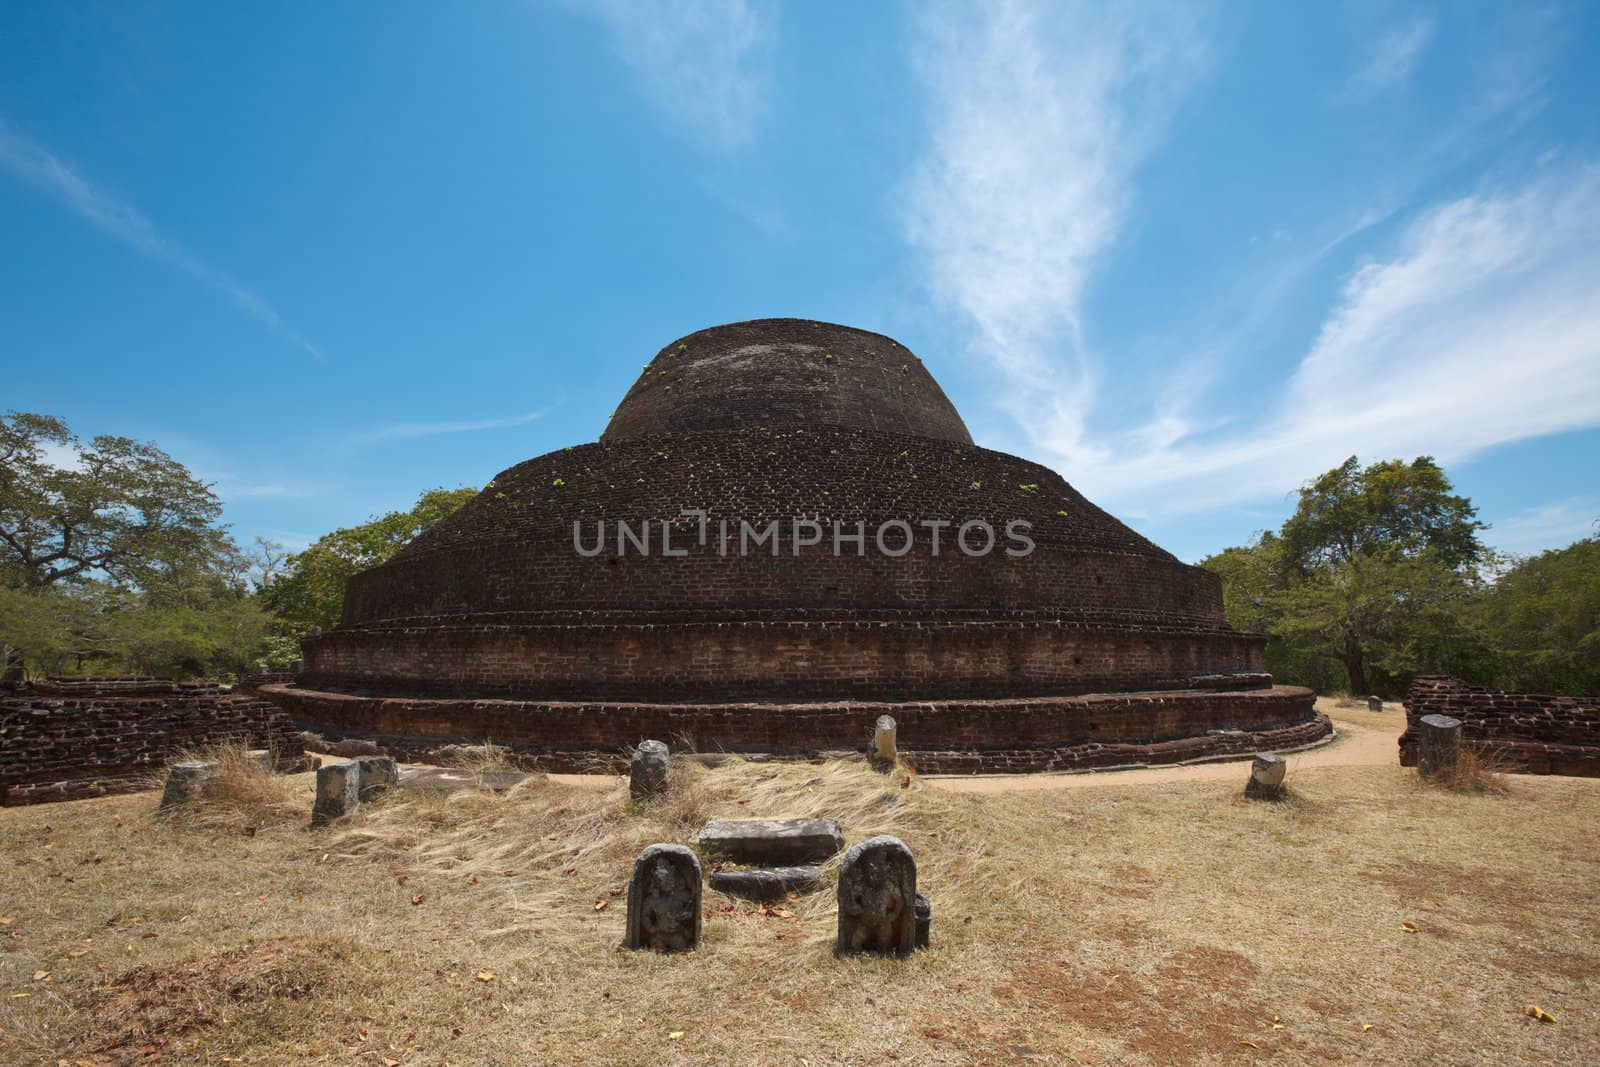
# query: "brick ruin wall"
511,547
1533,733
789,661
70,738
1011,736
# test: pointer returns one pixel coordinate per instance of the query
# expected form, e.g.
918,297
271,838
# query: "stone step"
772,842
771,883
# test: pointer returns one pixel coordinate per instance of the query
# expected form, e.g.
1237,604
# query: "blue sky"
1189,256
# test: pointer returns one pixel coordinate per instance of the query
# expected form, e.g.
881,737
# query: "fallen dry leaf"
419,898
1409,927
1532,1011
75,953
6,920
484,976
676,1034
600,905
41,976
1365,1027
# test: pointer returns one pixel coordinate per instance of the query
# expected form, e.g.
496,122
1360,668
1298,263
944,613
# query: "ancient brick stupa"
786,532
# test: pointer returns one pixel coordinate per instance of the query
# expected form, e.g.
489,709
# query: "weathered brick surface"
822,659
1043,733
1532,733
510,549
768,372
69,738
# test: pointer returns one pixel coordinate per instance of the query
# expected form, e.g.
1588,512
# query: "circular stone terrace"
785,532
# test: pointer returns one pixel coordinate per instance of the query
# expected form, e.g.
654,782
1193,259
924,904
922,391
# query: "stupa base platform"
1055,733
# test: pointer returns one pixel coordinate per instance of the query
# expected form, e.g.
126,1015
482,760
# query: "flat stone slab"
451,778
772,883
772,842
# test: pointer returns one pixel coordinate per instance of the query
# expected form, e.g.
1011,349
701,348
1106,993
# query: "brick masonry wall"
511,547
1535,734
785,370
868,659
69,738
961,736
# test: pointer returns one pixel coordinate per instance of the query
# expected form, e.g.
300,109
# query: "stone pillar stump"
1438,744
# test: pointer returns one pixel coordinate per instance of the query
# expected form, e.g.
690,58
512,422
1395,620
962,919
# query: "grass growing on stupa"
1372,919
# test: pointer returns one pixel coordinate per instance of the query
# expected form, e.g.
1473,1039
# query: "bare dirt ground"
1364,739
1369,918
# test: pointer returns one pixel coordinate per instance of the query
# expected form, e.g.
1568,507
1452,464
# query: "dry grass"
244,793
1475,771
1365,919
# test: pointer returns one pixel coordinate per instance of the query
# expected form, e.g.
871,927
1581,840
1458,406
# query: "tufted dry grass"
1367,919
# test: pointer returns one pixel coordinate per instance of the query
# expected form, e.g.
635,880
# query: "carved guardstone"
664,900
1374,703
1266,777
647,771
877,899
1438,744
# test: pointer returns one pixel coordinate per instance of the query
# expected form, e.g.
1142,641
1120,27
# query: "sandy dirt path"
1371,742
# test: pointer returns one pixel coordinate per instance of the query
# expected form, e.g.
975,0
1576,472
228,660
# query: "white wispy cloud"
1392,57
241,492
1040,113
1479,328
704,64
1478,325
1553,525
401,430
39,167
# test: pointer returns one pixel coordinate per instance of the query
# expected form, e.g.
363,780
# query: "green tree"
1542,619
122,510
1371,573
111,558
1390,509
310,590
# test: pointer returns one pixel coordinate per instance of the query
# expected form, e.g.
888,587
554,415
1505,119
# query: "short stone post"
376,775
883,743
186,781
1266,777
338,791
262,758
1438,744
664,900
647,771
1374,703
924,919
877,899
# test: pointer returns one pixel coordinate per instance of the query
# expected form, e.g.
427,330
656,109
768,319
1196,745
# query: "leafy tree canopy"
116,509
1370,573
1542,618
310,592
1390,508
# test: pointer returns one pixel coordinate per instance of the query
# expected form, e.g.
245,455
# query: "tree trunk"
1355,667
